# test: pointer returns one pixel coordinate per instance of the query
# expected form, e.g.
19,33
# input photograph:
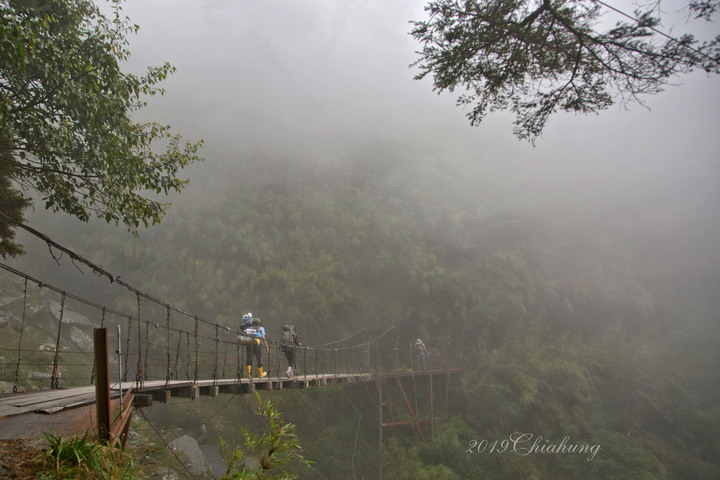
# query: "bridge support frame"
114,432
386,412
102,383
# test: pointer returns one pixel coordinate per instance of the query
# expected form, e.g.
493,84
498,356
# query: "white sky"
319,77
298,72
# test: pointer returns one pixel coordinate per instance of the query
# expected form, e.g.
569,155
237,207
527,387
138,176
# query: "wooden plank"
34,398
50,401
64,404
121,423
119,428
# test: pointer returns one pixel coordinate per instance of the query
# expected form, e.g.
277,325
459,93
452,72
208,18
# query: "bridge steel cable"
55,376
22,329
66,296
196,347
147,349
98,269
225,357
167,346
155,355
127,348
215,360
138,367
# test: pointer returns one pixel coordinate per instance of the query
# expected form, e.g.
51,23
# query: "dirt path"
18,460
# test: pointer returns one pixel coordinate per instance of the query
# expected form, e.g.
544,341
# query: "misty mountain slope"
382,236
555,295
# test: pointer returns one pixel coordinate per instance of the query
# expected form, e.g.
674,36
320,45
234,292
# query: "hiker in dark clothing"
290,341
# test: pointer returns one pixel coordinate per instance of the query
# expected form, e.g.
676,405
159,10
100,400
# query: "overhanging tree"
537,57
66,126
12,205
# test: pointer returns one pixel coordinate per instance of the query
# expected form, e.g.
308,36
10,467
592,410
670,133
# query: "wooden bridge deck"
71,411
66,413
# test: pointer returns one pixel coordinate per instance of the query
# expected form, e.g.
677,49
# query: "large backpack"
247,332
288,336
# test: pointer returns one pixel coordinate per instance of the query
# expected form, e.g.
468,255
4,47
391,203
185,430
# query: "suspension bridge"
78,367
157,353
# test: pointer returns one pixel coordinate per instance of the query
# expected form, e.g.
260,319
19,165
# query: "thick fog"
317,85
323,82
316,78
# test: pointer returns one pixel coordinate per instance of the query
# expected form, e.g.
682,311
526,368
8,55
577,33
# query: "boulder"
69,316
188,451
81,340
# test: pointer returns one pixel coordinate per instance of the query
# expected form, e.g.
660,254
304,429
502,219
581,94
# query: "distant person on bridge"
255,349
290,341
420,352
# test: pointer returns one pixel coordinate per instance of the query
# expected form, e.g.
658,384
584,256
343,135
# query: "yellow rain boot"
261,374
249,370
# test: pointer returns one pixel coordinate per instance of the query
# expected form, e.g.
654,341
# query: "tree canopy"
66,108
538,57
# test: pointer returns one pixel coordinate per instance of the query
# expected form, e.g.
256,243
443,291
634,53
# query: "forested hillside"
581,315
576,278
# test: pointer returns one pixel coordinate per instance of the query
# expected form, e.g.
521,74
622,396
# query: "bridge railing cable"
140,348
160,345
98,269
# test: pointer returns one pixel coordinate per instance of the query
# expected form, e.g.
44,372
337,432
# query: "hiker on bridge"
420,352
290,341
254,349
248,334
